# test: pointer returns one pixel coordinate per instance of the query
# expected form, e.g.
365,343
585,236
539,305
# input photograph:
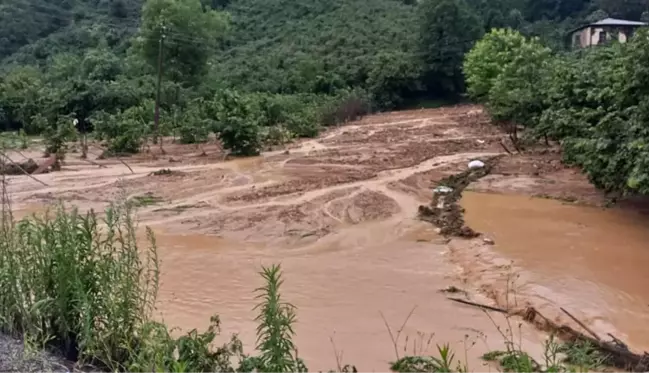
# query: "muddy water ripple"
589,260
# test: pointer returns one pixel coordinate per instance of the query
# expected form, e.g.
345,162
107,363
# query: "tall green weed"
78,284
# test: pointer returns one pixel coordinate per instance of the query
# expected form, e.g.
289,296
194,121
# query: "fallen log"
616,353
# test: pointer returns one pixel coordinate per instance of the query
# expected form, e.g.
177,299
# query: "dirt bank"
339,212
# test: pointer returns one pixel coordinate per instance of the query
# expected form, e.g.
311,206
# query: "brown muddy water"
591,261
341,285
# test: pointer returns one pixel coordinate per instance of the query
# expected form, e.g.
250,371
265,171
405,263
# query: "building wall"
590,35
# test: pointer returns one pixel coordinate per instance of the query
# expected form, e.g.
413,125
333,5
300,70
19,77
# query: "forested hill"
287,32
293,46
273,40
33,30
291,64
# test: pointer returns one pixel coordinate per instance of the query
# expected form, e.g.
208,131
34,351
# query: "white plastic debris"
443,189
476,164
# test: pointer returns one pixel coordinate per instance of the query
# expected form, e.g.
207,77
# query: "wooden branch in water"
483,306
617,354
581,324
618,342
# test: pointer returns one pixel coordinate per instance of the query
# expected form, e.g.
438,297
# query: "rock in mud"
488,241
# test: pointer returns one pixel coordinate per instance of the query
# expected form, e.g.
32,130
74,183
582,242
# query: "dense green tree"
595,103
488,58
554,9
448,29
596,16
189,32
516,97
296,46
20,97
393,78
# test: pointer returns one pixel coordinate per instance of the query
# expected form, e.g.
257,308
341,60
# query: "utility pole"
156,118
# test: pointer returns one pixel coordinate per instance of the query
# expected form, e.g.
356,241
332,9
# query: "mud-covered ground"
346,176
381,167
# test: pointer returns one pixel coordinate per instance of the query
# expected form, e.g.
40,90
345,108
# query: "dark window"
602,37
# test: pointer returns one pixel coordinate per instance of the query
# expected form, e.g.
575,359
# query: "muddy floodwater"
590,260
343,287
339,213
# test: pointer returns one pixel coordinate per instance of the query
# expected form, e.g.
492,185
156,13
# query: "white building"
602,31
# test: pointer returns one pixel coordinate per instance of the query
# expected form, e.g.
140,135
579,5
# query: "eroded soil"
340,214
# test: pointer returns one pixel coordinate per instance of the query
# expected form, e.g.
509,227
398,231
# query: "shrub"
194,124
276,135
347,106
238,124
57,136
125,131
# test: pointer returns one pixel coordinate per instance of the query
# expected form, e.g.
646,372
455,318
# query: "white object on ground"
443,189
476,164
440,203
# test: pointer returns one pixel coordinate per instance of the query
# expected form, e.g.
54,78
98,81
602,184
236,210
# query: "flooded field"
339,214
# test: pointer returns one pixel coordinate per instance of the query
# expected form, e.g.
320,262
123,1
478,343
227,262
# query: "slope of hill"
314,46
33,30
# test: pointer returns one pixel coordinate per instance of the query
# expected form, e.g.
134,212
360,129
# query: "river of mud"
340,215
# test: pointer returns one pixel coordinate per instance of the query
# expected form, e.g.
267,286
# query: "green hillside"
33,30
297,64
314,46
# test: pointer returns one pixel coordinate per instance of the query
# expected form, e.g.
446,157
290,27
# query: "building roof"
612,22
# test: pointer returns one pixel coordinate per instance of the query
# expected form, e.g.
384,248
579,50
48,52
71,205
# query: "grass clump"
78,285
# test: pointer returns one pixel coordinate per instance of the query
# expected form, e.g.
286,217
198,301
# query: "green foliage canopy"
448,30
190,33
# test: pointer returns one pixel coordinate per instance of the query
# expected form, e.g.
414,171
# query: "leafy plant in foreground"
275,331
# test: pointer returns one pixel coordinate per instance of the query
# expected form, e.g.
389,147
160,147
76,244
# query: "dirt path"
339,212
